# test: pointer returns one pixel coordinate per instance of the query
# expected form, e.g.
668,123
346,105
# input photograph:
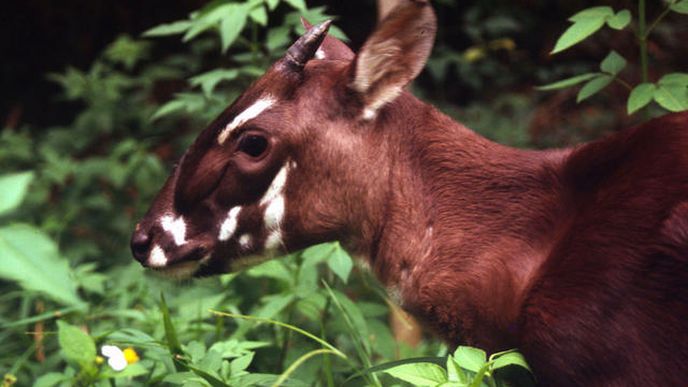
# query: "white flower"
115,356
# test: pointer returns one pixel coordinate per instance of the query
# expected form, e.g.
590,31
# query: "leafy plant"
670,92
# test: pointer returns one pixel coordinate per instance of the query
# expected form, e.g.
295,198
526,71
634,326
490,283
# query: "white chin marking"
245,241
320,54
176,227
274,213
229,226
250,113
157,257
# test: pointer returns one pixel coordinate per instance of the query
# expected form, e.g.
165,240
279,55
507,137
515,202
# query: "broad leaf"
340,263
259,15
674,78
232,24
578,32
510,359
210,79
672,97
31,258
472,359
77,346
640,97
593,13
594,86
174,28
298,4
454,371
272,4
13,188
680,7
564,83
613,63
620,20
419,374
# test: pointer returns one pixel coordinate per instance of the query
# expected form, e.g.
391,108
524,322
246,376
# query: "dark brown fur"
578,257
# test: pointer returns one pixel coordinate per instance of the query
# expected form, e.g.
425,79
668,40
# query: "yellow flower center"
130,355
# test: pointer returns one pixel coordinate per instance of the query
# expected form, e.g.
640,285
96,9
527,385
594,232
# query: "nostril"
140,245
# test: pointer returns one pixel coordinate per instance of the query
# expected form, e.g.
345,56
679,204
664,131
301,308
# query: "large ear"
331,47
394,54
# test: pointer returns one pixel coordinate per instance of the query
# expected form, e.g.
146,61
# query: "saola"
578,257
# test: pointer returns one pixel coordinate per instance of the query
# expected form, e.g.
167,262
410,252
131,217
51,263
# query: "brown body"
577,257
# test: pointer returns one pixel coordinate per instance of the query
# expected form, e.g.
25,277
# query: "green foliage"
670,93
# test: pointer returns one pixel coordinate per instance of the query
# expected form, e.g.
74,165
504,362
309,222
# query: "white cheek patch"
229,226
276,186
250,113
157,257
274,213
274,240
176,227
320,54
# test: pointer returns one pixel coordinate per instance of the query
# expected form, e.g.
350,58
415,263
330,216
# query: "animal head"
301,157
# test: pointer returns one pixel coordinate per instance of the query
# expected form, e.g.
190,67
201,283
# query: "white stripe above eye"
229,226
250,113
176,227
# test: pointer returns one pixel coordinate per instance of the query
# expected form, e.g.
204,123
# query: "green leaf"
173,28
600,12
77,346
31,258
419,374
674,78
340,263
212,78
673,98
272,4
13,188
298,4
510,359
564,83
259,16
680,7
232,25
578,32
472,359
454,372
639,97
620,20
594,86
613,63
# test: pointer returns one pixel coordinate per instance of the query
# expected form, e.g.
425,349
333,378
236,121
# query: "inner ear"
394,54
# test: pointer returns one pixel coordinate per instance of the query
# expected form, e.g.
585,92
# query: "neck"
468,223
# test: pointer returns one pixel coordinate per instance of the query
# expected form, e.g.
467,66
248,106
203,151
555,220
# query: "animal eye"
253,145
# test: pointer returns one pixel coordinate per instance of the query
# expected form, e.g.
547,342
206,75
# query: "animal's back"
610,305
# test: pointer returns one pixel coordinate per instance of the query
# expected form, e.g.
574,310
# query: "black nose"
140,245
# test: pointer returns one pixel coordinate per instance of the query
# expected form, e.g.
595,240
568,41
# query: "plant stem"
658,19
642,36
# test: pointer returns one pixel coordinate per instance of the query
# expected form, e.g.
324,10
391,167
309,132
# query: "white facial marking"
157,257
320,54
276,186
274,213
250,113
274,240
176,227
229,226
245,241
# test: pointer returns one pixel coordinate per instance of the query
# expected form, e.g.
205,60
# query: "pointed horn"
304,49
